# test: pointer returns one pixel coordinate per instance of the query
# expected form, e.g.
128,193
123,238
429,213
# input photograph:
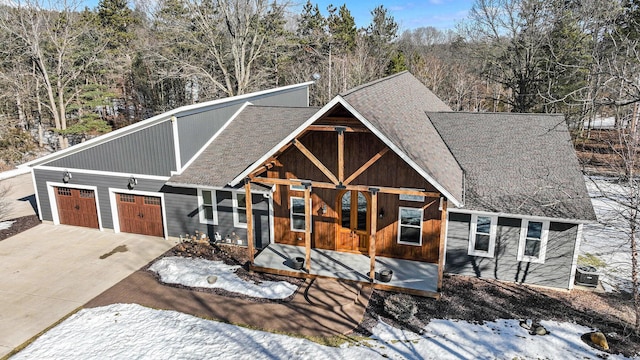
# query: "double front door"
353,221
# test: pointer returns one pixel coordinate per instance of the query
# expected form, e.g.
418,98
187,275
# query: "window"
64,191
533,241
127,198
239,209
405,197
207,206
482,235
151,200
410,226
87,194
297,218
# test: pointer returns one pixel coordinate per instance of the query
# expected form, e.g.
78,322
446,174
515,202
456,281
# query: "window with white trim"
296,213
533,241
482,235
239,209
410,226
207,207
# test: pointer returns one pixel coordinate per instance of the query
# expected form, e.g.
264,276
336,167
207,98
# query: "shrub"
401,307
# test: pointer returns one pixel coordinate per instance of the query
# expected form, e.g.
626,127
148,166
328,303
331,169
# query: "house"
383,177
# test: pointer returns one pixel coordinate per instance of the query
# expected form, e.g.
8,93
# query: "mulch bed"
230,255
478,300
21,224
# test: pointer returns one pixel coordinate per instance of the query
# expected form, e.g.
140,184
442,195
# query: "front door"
353,222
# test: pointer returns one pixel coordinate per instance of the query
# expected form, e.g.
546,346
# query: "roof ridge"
371,83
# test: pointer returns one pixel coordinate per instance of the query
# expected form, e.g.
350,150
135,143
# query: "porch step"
332,293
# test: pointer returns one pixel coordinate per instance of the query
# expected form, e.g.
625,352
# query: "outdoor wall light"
132,183
381,213
66,176
323,210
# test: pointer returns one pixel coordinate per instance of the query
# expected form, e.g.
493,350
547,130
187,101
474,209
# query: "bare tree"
61,45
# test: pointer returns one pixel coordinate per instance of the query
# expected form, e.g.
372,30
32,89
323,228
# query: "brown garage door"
77,207
140,214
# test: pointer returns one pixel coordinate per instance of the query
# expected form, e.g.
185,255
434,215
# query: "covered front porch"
414,277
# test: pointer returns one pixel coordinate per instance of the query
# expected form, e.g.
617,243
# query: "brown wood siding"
389,171
140,214
77,207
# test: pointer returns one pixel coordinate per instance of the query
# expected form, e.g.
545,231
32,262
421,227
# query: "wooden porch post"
249,212
340,131
372,234
307,225
441,250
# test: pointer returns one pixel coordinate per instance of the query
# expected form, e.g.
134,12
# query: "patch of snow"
14,172
193,272
502,339
4,225
601,123
130,331
608,239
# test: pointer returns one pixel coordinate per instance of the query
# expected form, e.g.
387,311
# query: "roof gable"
394,109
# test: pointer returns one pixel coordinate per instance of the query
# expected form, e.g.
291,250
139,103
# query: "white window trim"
492,236
236,218
400,225
291,213
544,237
214,207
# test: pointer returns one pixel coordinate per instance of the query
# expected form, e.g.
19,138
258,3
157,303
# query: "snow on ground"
4,225
193,272
601,123
608,240
130,331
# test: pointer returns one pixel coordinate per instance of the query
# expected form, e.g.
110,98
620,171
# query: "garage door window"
87,194
150,200
64,191
127,198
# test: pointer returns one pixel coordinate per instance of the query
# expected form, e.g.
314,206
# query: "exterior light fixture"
323,211
381,213
66,176
132,183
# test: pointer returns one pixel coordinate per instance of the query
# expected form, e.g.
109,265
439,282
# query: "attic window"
410,226
482,235
533,241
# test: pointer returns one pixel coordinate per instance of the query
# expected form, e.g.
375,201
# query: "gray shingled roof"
255,131
517,163
396,106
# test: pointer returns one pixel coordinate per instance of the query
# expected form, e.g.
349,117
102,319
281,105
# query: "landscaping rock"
211,279
599,339
539,330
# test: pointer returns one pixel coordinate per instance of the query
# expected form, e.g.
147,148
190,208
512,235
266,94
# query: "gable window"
239,209
296,213
410,226
533,241
482,235
207,206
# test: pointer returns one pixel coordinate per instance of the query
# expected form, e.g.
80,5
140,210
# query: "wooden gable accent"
337,154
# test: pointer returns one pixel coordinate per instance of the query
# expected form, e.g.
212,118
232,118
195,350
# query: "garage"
140,214
77,207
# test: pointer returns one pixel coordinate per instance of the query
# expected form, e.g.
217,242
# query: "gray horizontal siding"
197,127
103,183
555,272
147,151
183,215
181,205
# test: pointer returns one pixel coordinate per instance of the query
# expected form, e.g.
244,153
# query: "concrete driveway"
48,271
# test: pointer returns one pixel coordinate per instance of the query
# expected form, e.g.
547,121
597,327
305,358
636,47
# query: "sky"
441,14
